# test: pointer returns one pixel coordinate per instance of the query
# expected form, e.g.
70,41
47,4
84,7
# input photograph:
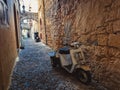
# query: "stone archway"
29,15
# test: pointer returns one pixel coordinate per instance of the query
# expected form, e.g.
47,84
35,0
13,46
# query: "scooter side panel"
65,59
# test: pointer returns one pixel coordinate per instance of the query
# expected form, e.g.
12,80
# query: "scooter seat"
64,50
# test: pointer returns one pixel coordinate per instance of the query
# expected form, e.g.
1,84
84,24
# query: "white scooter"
72,59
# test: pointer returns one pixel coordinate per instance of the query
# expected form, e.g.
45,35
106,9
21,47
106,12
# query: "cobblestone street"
33,71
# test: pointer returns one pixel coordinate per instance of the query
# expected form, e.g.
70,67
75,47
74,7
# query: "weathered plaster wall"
94,23
8,47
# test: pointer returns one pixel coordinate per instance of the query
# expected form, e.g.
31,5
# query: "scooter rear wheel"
53,62
84,76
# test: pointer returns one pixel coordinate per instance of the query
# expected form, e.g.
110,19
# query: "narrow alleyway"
33,71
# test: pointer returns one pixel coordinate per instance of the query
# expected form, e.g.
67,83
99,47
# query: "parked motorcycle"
36,37
71,58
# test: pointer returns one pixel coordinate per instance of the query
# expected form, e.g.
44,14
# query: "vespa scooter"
72,59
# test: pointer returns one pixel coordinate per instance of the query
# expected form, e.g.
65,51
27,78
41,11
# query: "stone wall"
42,21
8,45
95,24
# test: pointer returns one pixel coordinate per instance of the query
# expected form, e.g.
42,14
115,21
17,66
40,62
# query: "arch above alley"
29,15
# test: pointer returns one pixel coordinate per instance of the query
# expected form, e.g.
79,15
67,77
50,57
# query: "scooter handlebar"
74,44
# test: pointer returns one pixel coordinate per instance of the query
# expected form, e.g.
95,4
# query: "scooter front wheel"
84,76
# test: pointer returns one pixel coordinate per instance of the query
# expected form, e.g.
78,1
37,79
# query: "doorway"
16,27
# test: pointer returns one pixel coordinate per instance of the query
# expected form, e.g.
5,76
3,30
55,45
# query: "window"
5,1
3,13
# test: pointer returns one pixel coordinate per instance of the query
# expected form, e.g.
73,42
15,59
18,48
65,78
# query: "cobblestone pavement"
33,71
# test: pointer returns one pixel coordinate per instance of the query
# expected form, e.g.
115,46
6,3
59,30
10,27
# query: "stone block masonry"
94,23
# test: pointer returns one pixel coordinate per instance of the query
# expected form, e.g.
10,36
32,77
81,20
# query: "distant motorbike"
71,58
36,37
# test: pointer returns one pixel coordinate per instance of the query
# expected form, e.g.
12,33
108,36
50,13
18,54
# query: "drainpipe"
45,21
